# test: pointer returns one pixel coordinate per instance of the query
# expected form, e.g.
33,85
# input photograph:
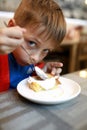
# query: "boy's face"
36,45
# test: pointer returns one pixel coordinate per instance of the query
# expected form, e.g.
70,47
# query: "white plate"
68,90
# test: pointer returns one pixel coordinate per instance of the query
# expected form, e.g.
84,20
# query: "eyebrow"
38,41
32,39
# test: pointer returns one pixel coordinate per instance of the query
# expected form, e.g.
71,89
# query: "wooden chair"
81,61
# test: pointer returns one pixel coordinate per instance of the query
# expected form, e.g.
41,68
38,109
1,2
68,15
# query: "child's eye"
32,43
46,51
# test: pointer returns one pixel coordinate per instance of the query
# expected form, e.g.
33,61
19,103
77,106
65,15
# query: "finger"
59,70
5,49
53,72
60,64
14,32
10,42
56,64
15,42
56,71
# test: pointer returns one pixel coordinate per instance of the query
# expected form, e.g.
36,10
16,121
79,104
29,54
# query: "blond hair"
46,13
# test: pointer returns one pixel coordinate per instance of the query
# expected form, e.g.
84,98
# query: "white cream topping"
46,84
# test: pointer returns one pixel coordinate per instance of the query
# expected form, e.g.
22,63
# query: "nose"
35,58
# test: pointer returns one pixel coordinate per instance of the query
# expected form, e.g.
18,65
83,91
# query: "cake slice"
36,84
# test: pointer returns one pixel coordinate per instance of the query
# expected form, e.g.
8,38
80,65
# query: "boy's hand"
10,39
53,67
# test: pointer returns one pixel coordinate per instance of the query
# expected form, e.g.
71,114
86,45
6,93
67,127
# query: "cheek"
42,56
20,56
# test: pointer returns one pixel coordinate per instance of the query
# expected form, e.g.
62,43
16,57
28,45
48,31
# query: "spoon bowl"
41,73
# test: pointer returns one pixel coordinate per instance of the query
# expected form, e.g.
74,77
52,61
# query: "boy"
45,29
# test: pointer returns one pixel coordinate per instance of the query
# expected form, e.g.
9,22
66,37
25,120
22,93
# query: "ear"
11,23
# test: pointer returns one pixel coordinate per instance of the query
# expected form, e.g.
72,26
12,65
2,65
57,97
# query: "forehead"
42,34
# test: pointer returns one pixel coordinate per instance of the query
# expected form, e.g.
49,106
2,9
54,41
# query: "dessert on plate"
37,84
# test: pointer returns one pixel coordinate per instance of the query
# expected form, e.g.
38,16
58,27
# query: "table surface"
18,113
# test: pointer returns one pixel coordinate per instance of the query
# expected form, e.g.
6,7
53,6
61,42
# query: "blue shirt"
18,72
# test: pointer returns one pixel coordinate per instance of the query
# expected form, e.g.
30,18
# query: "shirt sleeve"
4,73
40,65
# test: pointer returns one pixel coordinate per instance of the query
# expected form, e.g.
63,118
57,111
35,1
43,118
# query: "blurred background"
73,49
72,8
